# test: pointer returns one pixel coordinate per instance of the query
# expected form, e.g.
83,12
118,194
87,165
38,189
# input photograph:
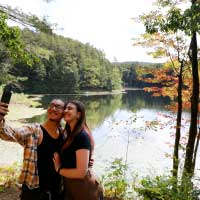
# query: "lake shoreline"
86,92
29,104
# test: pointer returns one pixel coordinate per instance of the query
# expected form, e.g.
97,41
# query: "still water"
121,127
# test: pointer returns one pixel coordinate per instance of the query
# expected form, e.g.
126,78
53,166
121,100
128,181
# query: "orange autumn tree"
172,18
167,84
171,77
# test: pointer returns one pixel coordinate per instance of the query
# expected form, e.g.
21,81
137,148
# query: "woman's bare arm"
82,159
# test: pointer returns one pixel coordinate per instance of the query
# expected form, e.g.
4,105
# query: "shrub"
161,188
114,182
9,175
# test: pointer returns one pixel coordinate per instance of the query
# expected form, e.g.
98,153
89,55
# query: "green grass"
9,175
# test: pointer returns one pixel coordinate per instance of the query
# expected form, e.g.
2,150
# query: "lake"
132,125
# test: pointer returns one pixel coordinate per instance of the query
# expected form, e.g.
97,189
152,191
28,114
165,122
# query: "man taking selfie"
38,177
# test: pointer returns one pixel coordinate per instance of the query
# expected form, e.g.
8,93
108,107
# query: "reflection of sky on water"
147,150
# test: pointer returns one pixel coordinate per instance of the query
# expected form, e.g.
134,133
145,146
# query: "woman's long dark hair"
79,125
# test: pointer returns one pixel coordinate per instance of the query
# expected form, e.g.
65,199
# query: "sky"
105,24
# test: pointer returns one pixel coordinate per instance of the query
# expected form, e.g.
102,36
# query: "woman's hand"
57,162
91,162
3,110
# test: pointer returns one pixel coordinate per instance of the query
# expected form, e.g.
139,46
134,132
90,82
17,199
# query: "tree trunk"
178,124
195,152
188,166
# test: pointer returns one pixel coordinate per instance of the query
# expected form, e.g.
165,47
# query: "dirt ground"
10,193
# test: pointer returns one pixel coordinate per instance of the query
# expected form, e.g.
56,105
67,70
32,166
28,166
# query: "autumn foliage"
167,82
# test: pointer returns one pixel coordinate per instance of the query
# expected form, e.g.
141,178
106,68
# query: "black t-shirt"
49,179
68,156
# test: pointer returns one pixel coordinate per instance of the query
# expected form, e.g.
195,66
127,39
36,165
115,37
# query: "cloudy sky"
105,24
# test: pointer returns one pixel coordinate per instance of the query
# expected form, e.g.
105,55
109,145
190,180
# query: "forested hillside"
64,65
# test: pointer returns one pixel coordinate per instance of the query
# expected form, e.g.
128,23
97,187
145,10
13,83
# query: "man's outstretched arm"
8,133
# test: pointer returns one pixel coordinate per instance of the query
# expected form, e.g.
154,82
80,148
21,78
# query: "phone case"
6,96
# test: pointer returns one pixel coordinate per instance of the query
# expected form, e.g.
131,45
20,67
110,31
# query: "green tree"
12,50
116,78
29,20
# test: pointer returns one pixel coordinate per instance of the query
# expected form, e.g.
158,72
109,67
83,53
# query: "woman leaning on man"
72,162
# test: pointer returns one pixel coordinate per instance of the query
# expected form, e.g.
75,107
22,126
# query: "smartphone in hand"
6,96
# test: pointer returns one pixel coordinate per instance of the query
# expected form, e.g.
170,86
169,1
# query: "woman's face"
71,114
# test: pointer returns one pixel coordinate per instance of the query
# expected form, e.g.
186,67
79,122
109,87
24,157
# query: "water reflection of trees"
99,107
138,99
36,119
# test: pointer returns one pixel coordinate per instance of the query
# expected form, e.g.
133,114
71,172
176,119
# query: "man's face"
55,110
